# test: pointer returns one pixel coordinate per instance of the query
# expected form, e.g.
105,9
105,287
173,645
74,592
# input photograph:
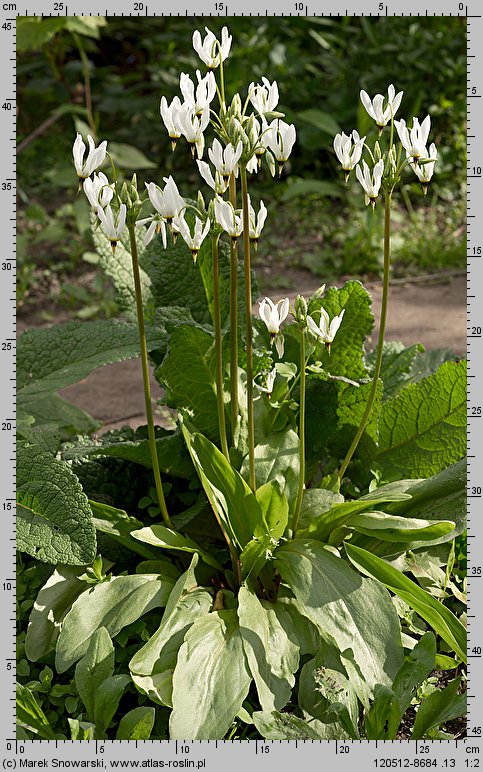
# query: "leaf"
81,730
107,701
399,529
54,520
129,157
274,506
52,358
423,428
166,538
320,120
66,418
188,374
397,363
272,657
441,706
382,719
113,605
440,618
278,458
137,724
315,502
428,362
119,526
50,607
357,614
211,678
35,32
30,714
232,501
86,25
308,187
285,726
94,668
417,666
153,664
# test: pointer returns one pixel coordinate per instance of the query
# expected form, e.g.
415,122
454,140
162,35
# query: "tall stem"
218,346
298,504
380,340
233,317
249,330
145,368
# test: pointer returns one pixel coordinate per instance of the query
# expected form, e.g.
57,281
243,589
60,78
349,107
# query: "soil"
427,310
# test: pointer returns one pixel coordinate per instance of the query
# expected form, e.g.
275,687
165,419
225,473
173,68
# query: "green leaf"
417,666
356,613
54,520
86,25
272,657
211,678
306,187
381,721
397,361
34,32
113,605
50,607
399,529
129,157
278,458
66,418
119,526
233,502
188,374
428,362
81,730
52,358
285,726
315,502
320,120
137,724
441,619
441,706
166,538
423,428
94,668
274,506
30,715
107,701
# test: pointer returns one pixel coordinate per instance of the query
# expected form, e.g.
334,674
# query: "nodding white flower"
205,90
170,115
326,329
370,183
268,389
227,217
98,190
94,158
225,160
253,165
217,183
264,98
168,202
210,50
424,172
192,127
382,115
156,225
273,315
256,223
194,241
280,138
414,140
348,154
112,226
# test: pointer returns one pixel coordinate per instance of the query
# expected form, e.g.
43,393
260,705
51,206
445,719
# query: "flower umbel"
376,109
326,329
94,158
370,183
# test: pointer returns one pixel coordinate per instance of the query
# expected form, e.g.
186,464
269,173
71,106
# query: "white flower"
273,314
170,115
94,159
256,223
210,50
225,160
112,226
268,389
326,329
348,154
264,98
194,241
168,202
227,217
205,90
192,127
414,140
280,138
216,183
98,190
252,165
370,184
382,115
156,225
424,171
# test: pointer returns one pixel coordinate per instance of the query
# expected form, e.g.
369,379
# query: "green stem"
145,368
87,84
249,330
218,347
233,317
380,340
298,504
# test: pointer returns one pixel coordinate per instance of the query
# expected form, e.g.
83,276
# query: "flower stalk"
233,317
249,329
145,369
300,492
218,347
380,340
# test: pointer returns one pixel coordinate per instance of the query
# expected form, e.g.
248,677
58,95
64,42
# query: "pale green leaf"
417,665
118,525
278,458
129,157
107,699
441,706
96,666
137,724
399,529
30,715
166,538
285,726
397,361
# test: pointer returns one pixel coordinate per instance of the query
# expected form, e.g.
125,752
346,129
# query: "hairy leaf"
397,363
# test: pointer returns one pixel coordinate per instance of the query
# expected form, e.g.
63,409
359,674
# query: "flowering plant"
281,563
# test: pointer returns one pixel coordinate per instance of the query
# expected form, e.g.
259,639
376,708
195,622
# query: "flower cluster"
385,170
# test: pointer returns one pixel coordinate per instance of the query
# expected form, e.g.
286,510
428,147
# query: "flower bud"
235,109
377,152
200,201
300,307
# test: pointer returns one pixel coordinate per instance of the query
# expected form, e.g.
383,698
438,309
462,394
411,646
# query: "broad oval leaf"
94,668
160,536
399,529
137,724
